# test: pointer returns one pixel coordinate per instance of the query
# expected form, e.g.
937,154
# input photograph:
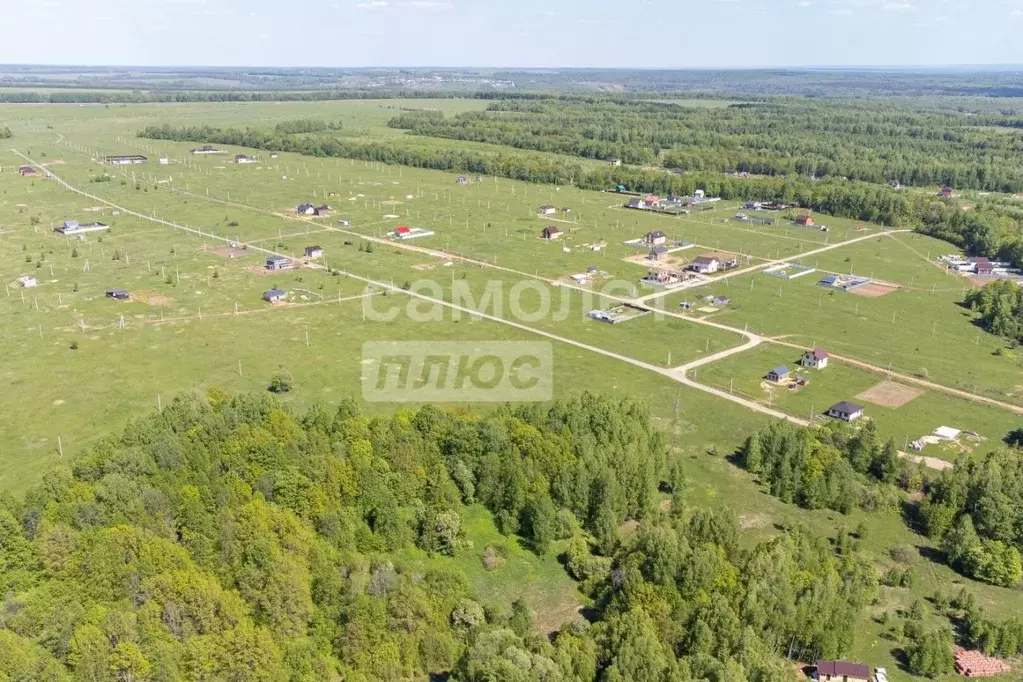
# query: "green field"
79,365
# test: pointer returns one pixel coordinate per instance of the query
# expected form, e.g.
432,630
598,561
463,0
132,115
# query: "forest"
229,538
867,141
985,230
999,308
831,466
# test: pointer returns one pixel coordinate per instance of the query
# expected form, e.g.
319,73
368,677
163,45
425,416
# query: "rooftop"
856,670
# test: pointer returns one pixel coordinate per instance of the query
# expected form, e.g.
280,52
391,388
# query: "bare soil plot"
150,297
874,290
230,252
890,394
260,271
665,262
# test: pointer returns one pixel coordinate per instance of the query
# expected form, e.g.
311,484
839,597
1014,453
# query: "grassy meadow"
80,365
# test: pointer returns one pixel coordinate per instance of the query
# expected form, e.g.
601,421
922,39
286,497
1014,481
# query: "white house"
547,209
27,282
815,358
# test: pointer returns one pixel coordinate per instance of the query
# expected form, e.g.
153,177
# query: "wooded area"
227,538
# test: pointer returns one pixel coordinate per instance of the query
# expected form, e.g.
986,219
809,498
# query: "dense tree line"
999,307
983,231
827,467
306,125
229,538
973,510
864,141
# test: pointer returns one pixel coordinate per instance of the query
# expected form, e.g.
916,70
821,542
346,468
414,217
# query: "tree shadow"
932,554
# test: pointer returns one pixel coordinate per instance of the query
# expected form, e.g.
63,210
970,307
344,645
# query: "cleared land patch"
874,290
890,394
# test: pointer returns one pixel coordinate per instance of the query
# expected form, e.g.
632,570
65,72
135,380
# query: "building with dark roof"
846,411
842,671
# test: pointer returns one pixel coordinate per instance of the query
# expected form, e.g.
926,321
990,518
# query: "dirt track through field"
679,374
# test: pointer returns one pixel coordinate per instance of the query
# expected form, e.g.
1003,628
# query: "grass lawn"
744,373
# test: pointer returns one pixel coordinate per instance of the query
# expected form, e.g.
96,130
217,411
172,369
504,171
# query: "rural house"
206,149
28,172
816,358
244,158
550,232
323,211
305,209
805,220
652,200
27,282
895,184
462,180
277,263
547,209
779,374
842,671
118,294
983,266
656,252
709,263
615,162
656,238
313,252
705,265
946,193
753,205
846,411
636,202
275,295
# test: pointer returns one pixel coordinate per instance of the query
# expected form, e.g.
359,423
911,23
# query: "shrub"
281,381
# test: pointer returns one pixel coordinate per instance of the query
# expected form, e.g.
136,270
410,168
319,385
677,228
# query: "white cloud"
1016,13
805,3
843,12
372,4
897,6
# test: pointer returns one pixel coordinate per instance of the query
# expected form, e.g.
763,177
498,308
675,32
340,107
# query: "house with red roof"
815,358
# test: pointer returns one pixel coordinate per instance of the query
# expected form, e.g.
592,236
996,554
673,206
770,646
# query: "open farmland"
80,364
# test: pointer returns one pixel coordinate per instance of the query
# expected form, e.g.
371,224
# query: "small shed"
547,209
323,211
313,252
779,374
275,295
118,294
550,232
805,220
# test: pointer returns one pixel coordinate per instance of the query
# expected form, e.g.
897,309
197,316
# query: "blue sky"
514,33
